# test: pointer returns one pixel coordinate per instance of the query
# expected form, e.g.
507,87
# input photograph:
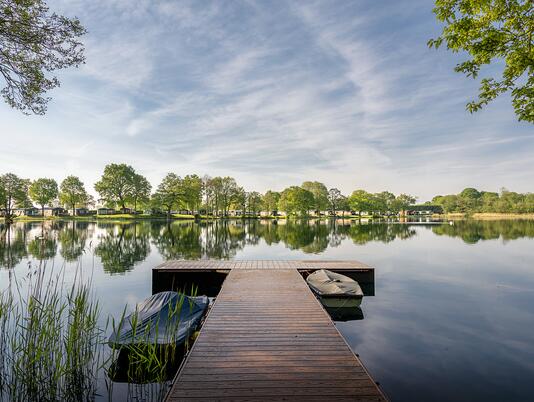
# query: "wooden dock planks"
267,338
300,265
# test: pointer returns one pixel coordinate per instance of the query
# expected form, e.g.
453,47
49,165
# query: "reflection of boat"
340,302
335,290
162,319
344,313
126,368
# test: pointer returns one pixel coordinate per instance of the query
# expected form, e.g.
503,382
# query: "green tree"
169,194
228,190
33,44
383,202
469,200
488,201
270,201
254,200
335,199
72,193
449,203
43,191
140,192
13,193
320,194
193,188
402,202
117,184
360,201
296,200
488,31
239,200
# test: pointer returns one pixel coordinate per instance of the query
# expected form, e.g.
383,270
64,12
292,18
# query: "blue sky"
272,93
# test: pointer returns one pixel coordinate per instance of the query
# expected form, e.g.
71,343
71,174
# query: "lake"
452,317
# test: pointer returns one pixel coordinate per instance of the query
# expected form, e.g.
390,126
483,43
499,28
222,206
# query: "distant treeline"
122,187
471,200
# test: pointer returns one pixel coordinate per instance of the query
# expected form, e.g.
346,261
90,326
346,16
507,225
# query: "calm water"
453,314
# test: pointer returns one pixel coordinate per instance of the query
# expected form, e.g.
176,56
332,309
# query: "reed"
52,347
51,343
147,365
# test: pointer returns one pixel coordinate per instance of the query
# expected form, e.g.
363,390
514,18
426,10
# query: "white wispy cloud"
273,94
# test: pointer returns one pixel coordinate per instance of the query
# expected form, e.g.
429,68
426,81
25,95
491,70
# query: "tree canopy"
140,191
492,31
33,44
120,184
219,196
43,191
471,200
13,193
270,201
169,194
335,199
72,193
296,200
320,194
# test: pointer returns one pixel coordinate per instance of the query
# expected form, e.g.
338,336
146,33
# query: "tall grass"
145,362
50,341
52,347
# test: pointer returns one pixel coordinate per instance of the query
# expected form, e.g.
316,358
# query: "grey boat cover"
329,284
162,319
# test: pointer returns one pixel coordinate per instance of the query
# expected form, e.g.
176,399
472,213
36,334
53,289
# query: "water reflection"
474,231
120,246
73,239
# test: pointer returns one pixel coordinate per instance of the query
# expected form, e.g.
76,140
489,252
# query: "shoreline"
179,217
485,216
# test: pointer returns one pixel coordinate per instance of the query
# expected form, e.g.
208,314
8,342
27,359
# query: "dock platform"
267,338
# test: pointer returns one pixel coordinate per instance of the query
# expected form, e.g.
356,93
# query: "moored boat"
164,318
335,290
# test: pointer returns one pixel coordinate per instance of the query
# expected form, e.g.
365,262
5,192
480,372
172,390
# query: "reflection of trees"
215,239
364,233
179,240
12,245
306,235
269,231
223,239
473,231
44,246
123,246
73,238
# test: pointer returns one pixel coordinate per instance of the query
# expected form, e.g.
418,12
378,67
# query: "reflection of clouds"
448,318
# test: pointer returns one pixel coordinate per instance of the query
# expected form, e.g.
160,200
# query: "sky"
272,93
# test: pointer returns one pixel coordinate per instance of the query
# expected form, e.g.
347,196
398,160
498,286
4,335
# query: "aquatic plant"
147,365
50,341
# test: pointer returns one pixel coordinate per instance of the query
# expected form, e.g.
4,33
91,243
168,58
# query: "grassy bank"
128,217
485,216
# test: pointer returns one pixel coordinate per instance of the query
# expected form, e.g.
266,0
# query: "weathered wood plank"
268,338
301,265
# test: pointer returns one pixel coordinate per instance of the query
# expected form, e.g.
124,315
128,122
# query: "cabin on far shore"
106,211
33,211
424,210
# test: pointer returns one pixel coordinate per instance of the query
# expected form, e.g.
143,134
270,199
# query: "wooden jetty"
267,338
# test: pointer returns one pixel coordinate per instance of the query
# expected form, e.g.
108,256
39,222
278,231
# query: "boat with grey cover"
335,290
162,319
